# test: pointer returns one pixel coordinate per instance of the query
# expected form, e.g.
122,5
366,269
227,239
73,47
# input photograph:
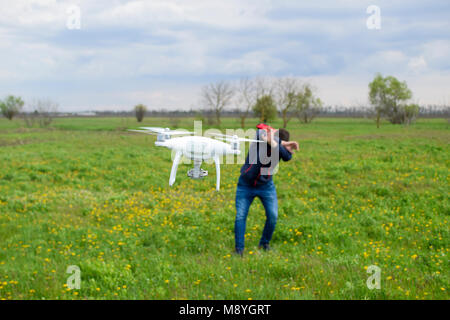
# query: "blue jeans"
244,198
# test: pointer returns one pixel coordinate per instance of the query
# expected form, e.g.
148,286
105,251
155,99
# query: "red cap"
264,126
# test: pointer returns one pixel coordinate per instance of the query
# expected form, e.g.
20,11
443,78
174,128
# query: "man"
256,181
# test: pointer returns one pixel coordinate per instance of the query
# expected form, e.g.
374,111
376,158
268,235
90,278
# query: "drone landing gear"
197,172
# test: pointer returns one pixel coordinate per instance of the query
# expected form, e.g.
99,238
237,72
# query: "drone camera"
161,137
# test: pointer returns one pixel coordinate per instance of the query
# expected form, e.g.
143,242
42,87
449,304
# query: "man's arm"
286,148
291,146
285,153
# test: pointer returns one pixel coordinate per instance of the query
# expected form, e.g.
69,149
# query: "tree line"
263,97
288,97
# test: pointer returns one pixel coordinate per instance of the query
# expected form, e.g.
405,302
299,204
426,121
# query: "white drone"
196,148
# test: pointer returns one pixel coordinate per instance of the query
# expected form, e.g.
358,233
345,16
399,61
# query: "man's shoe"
239,252
265,247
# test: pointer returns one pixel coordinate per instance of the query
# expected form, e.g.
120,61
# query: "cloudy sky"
161,52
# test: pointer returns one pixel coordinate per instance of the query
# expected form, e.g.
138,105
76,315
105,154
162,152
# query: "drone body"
195,148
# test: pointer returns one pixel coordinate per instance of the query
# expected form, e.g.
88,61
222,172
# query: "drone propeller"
233,138
155,130
141,131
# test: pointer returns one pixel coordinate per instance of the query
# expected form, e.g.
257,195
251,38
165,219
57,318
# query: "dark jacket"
258,167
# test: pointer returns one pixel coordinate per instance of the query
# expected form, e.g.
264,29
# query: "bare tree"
217,96
40,111
264,87
246,98
287,91
30,117
46,109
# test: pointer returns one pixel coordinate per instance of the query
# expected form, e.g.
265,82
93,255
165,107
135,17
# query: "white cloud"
417,64
383,61
437,52
33,14
172,98
254,63
216,13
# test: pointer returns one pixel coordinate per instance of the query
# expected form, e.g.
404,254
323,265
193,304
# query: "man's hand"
291,146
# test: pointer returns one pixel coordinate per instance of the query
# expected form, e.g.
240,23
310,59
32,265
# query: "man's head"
283,134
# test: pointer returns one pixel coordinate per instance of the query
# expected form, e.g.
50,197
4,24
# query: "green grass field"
85,192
